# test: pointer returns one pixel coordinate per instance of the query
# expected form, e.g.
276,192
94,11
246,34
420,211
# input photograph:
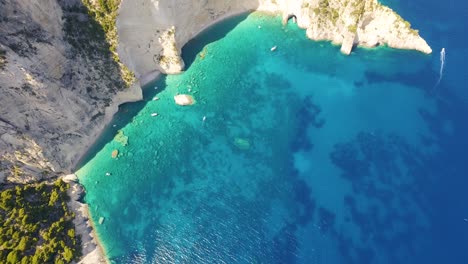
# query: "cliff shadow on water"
128,111
209,35
124,115
60,75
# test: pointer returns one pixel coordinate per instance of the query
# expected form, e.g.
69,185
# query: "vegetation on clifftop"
105,13
2,59
326,13
36,225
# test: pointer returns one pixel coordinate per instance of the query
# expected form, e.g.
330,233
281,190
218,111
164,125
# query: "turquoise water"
301,155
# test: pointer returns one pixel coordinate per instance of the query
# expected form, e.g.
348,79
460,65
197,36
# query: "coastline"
92,248
148,77
93,251
129,95
143,80
220,19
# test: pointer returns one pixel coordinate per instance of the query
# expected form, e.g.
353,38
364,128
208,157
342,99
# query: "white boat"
155,98
273,48
154,114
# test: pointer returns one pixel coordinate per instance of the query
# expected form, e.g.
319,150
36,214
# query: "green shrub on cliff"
121,138
3,60
326,13
36,226
105,13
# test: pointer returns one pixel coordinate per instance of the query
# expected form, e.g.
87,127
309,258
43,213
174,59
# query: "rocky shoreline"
93,252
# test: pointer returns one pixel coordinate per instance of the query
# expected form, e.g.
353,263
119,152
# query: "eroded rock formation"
143,25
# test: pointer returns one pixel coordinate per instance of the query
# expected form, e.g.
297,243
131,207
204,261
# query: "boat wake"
441,71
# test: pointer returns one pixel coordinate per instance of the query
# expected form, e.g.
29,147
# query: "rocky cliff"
152,32
58,86
60,81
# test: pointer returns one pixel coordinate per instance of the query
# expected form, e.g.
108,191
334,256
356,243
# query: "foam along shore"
93,252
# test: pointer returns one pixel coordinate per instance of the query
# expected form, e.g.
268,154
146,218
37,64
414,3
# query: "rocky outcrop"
360,22
143,26
184,99
91,249
59,86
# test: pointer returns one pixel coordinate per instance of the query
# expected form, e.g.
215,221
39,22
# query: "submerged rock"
184,99
121,138
242,143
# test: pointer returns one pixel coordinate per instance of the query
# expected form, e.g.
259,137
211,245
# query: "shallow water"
301,155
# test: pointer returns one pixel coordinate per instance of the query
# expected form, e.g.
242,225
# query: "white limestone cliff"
58,87
145,47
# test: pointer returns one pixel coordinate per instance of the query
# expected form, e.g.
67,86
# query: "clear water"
304,156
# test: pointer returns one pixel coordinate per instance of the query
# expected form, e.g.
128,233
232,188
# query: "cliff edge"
152,33
59,86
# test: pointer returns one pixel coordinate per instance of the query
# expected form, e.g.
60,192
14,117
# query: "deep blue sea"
301,155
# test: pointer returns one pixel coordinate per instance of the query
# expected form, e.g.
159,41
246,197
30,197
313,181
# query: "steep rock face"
143,25
359,22
58,87
151,33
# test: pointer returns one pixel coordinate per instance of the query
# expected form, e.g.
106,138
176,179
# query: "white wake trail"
442,64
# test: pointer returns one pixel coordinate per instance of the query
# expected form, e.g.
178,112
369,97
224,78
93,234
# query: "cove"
301,155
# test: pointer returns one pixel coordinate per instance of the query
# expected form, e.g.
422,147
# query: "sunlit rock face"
59,86
151,33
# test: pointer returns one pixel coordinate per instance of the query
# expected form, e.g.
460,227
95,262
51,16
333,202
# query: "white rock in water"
242,143
184,99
